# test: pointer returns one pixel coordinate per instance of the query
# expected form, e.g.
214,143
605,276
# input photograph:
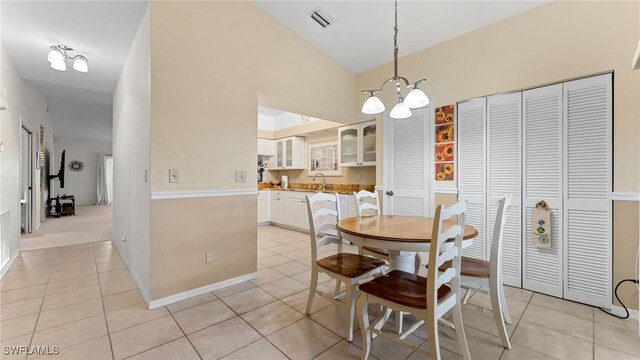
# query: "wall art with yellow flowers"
445,143
444,133
444,171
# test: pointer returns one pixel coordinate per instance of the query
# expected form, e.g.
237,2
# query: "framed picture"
444,133
444,152
323,158
444,171
444,114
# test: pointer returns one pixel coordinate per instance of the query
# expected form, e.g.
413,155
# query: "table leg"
402,260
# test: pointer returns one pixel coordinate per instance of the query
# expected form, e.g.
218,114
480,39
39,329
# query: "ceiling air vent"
322,17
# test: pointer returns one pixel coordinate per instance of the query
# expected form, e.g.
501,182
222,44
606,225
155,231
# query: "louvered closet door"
471,170
587,180
503,178
542,180
407,154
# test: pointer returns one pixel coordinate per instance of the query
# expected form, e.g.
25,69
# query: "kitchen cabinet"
290,153
264,206
266,147
357,145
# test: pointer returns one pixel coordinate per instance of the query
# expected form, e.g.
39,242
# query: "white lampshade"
80,65
400,111
59,65
372,106
54,55
416,98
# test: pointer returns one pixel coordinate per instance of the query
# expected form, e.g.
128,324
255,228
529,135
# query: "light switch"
241,176
173,176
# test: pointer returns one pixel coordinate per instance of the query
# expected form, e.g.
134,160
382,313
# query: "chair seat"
403,288
376,250
471,267
349,265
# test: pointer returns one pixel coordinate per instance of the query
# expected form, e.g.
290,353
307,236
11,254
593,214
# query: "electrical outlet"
358,177
241,176
174,177
208,257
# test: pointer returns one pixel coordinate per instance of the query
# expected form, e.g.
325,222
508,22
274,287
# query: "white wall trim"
625,196
446,191
143,292
201,290
13,258
190,194
618,310
379,187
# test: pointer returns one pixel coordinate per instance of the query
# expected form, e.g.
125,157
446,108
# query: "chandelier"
416,98
59,55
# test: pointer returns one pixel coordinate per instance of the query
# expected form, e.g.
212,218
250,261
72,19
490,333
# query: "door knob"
390,193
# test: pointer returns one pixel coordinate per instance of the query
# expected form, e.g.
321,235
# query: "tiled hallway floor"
82,299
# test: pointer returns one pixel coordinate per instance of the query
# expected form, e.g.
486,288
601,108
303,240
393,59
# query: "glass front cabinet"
290,153
357,144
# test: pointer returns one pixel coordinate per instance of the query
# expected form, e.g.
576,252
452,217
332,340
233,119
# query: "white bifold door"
472,117
407,162
587,196
542,171
503,178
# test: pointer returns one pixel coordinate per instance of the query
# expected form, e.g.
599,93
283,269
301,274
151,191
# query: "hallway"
92,223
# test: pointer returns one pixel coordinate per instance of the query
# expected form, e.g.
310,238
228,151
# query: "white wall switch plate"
174,177
241,176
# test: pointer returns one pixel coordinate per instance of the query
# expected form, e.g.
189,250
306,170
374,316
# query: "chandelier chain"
395,43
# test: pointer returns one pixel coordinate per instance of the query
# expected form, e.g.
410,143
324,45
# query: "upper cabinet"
266,147
357,144
289,153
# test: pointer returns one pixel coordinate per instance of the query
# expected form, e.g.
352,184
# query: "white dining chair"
429,299
486,276
350,269
368,204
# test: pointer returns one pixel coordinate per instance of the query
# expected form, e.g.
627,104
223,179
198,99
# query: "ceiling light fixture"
58,56
416,98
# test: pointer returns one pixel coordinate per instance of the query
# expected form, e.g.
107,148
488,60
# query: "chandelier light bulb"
400,111
373,105
80,65
416,99
54,55
59,65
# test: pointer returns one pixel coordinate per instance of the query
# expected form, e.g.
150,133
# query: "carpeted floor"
90,224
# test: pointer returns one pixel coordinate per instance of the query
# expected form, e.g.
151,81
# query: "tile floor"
82,299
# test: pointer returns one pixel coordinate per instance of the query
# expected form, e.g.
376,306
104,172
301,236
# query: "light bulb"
80,65
54,55
372,106
59,65
400,111
416,98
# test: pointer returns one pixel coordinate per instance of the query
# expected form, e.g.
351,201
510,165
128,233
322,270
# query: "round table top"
398,228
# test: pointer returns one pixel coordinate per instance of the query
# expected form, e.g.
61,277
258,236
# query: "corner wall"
213,63
131,154
27,103
554,42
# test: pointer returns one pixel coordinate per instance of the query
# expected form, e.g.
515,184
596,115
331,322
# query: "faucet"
324,181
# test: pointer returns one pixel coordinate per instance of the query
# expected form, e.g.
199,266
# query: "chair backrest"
451,276
365,206
495,267
323,210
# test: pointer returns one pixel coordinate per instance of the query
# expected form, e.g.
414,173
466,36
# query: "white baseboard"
11,260
201,290
619,310
141,288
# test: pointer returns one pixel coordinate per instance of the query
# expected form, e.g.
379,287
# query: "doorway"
26,180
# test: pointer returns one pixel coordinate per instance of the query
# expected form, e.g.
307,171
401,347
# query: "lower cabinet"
290,208
264,206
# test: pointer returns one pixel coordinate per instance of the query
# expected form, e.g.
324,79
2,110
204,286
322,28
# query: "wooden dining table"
402,236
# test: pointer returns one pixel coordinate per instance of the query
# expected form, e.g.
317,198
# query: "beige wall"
554,42
213,63
131,127
29,104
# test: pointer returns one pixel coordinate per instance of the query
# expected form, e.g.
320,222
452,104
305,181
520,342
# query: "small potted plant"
262,166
